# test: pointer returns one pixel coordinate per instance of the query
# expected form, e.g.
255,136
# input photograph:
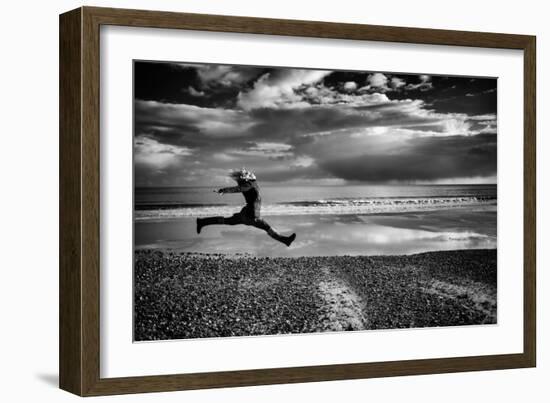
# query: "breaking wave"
322,207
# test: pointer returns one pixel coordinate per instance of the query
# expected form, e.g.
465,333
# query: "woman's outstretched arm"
235,189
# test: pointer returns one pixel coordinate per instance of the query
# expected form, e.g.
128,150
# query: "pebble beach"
183,295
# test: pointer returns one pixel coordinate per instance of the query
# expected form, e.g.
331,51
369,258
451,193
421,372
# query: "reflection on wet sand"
321,235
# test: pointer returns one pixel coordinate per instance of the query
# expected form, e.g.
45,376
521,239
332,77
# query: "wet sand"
182,295
376,234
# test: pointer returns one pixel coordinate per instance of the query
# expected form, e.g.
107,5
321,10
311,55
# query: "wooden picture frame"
79,280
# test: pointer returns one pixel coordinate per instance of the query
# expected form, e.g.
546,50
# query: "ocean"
328,220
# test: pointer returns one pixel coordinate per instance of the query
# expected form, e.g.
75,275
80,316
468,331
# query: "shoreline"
181,295
237,255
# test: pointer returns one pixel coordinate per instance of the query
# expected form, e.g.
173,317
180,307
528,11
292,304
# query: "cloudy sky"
195,122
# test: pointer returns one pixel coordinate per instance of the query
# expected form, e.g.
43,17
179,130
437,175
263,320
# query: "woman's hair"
242,175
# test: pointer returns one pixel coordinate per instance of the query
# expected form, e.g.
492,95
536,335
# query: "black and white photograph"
283,200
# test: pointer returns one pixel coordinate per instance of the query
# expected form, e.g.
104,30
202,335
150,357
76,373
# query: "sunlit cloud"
424,84
194,92
350,86
148,151
377,80
277,89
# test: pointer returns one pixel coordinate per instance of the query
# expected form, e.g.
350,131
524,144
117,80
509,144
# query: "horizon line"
267,184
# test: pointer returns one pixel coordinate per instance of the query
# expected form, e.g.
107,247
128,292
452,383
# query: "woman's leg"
233,220
261,224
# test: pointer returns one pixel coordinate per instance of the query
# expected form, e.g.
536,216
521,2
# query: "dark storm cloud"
428,158
209,85
302,125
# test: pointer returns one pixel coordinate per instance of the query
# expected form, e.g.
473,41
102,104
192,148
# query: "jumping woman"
249,214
